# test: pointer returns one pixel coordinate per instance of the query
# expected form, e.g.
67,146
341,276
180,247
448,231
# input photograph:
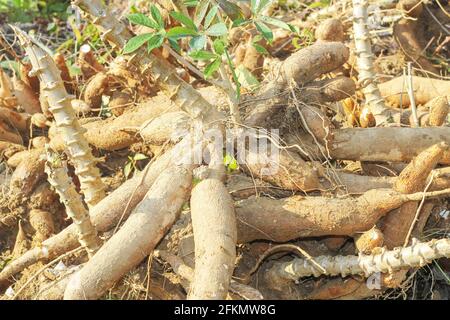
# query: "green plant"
207,33
27,10
131,164
230,162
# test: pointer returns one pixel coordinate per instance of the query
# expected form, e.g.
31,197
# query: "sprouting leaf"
217,30
186,21
210,17
143,20
136,42
277,23
265,30
200,11
139,156
219,46
202,55
231,9
127,169
156,15
198,42
155,42
179,32
230,162
212,67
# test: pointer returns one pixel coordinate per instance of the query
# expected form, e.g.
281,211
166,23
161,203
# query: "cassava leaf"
212,67
186,21
179,32
136,42
143,20
217,30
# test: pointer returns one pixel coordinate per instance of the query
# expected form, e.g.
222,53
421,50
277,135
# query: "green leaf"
186,21
212,67
258,5
260,48
202,55
156,15
319,4
200,12
230,162
155,42
265,30
231,9
139,156
217,30
134,43
127,169
179,32
198,42
246,78
240,22
174,44
219,46
277,23
210,17
143,20
191,3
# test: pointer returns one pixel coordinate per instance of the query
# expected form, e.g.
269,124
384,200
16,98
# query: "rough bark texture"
59,104
365,59
299,216
425,89
412,179
300,68
417,255
104,216
57,176
145,227
387,144
214,224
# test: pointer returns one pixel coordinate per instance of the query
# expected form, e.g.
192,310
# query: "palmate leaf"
265,30
154,42
156,15
210,17
143,20
231,9
212,67
258,5
200,11
217,30
179,32
277,23
197,42
203,55
136,42
186,21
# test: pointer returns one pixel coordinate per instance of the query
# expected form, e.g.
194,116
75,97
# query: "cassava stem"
165,75
416,255
365,59
59,105
56,170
